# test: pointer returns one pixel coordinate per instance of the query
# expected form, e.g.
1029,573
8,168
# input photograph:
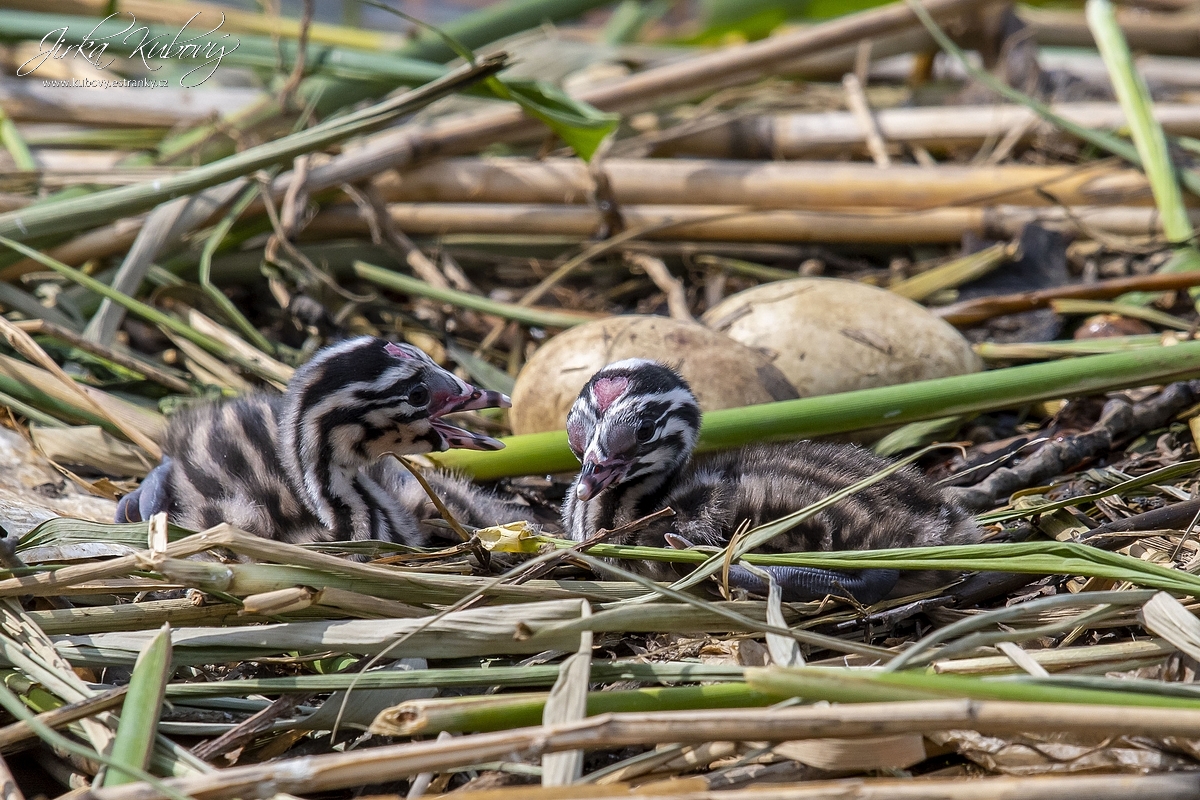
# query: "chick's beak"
463,397
482,398
595,477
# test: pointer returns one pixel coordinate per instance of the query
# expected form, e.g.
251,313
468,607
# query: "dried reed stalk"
464,133
970,312
738,223
1162,34
808,135
769,184
462,634
148,422
62,716
467,132
1061,658
1179,786
339,770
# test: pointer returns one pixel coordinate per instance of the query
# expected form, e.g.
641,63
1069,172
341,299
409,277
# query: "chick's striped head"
634,419
363,398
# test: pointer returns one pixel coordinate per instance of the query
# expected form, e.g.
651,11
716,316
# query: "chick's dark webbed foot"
800,584
149,498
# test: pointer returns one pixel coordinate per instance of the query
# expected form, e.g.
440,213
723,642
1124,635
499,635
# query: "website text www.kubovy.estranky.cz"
106,83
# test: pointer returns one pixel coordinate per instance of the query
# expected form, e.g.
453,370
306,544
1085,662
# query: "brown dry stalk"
766,184
656,269
971,312
739,223
245,731
24,344
832,133
63,715
1164,34
141,366
340,770
297,74
856,100
384,232
1179,786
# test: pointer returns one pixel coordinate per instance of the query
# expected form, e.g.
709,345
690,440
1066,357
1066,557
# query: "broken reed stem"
970,312
49,583
955,273
780,185
745,224
856,100
766,184
340,770
792,135
656,269
63,715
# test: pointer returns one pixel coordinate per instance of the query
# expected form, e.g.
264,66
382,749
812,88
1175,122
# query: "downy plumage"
310,465
634,427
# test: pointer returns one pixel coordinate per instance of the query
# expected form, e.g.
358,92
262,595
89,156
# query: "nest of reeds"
175,234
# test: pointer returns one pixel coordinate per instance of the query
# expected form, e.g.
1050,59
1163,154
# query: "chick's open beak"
448,402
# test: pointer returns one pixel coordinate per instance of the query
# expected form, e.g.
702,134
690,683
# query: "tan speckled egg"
827,335
723,373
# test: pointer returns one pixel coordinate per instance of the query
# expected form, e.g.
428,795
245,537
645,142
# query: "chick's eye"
645,431
418,397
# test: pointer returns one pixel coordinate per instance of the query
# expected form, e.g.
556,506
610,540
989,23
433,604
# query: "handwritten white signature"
151,48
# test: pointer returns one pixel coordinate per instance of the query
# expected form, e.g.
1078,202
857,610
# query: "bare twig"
297,74
672,287
245,731
856,100
970,312
437,501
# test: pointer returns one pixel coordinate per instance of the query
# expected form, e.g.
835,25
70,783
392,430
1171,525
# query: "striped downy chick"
309,465
634,427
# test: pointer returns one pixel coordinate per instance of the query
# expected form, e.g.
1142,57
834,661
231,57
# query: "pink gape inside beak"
595,477
460,438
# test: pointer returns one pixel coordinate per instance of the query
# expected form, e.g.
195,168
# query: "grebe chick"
308,465
634,427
